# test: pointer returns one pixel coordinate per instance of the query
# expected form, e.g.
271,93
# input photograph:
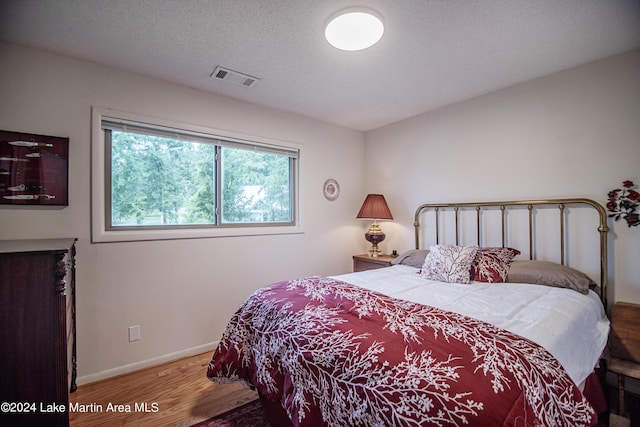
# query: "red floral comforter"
335,354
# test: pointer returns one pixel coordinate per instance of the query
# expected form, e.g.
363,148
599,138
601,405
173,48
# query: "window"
164,181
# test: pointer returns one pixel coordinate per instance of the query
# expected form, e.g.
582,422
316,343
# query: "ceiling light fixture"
354,28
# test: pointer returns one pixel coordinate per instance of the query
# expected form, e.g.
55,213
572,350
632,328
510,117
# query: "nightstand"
624,349
365,262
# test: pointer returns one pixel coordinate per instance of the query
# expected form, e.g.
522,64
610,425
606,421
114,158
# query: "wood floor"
176,394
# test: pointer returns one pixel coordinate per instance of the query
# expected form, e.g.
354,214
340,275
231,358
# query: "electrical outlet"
134,333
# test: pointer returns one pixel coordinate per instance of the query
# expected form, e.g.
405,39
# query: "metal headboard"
531,205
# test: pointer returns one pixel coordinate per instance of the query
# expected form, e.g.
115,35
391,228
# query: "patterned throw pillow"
492,264
449,263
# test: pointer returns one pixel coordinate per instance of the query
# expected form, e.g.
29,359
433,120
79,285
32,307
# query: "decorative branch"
623,203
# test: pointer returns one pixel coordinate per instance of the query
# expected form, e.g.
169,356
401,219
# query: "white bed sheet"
573,327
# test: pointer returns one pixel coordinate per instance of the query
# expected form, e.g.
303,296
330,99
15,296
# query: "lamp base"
375,236
374,252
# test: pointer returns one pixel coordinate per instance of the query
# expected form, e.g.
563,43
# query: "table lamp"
375,208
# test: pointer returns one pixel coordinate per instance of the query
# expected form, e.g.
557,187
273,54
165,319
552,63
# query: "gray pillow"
414,258
549,274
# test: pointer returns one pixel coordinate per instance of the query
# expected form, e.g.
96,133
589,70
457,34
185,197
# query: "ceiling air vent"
234,77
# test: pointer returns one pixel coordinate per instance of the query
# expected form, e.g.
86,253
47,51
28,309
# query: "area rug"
248,415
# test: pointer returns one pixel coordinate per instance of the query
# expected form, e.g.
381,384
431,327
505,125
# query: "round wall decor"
331,189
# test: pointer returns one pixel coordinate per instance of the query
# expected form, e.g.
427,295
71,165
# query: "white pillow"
449,263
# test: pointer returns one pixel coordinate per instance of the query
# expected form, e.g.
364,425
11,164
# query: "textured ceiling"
433,53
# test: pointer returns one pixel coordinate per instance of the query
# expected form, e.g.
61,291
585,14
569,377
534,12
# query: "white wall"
180,292
570,134
573,133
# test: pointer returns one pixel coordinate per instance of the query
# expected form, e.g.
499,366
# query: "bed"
485,332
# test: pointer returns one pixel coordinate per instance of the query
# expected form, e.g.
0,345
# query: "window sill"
102,236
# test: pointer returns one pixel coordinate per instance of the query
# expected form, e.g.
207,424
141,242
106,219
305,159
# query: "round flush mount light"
354,28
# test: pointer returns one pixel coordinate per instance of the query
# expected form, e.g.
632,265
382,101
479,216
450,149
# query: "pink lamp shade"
375,207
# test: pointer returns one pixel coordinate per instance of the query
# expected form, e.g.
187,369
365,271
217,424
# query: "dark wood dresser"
37,331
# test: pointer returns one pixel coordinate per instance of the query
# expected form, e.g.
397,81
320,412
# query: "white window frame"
99,231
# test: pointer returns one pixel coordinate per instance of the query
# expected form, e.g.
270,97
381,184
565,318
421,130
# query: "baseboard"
126,369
